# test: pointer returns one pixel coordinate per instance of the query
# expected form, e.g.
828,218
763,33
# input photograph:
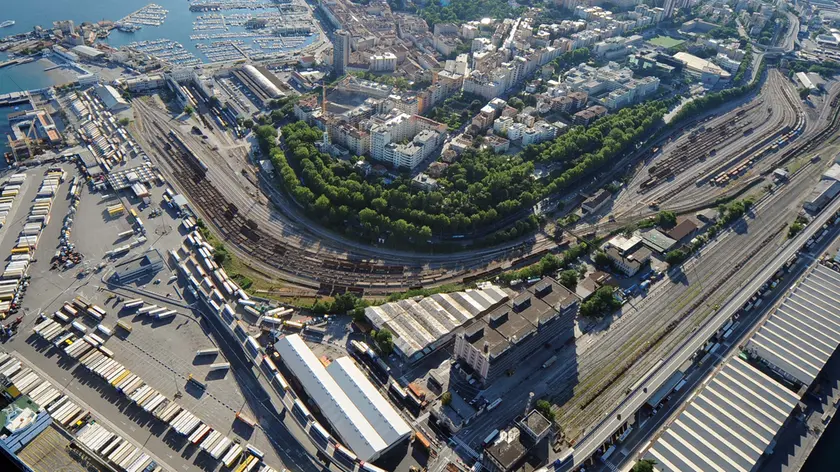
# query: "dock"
19,60
14,98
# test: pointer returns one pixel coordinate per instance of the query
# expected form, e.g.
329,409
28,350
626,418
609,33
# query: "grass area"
666,41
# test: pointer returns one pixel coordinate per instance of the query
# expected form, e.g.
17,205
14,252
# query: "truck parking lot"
163,353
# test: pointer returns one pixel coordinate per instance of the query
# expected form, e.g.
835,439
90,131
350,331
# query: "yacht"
7,23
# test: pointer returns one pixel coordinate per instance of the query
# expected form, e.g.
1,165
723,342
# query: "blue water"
178,25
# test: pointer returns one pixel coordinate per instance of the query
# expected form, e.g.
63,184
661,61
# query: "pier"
14,98
19,60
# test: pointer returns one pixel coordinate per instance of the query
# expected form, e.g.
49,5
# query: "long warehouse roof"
340,411
376,409
419,324
728,425
805,330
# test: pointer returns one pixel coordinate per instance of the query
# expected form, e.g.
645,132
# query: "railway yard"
268,238
745,144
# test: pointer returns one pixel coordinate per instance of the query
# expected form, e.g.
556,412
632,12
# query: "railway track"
307,270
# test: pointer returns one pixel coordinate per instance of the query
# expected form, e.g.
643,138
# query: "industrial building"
149,264
797,340
87,52
112,99
262,83
728,425
423,326
352,406
706,71
499,342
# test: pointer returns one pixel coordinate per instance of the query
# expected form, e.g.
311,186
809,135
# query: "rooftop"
341,412
418,323
728,425
804,331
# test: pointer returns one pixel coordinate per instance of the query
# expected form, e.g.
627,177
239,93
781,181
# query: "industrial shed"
421,326
375,408
355,416
797,340
728,425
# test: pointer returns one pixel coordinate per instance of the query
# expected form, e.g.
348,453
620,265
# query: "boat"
7,23
128,28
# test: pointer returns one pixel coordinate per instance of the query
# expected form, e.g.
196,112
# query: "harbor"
150,15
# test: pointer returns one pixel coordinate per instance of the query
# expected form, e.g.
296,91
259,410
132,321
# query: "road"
685,350
644,432
588,383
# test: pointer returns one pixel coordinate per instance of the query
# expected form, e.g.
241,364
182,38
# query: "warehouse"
728,425
113,101
365,422
375,408
423,326
262,83
797,340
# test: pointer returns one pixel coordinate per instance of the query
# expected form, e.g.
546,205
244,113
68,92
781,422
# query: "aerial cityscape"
420,236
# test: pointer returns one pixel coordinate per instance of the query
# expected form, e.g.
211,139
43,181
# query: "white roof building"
111,98
421,326
728,425
375,408
797,340
342,412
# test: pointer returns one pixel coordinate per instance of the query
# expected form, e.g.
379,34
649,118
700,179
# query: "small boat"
7,23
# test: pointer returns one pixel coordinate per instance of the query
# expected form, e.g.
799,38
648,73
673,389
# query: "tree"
188,110
644,465
124,121
446,398
667,219
248,123
544,407
601,259
569,279
600,303
215,102
675,257
385,340
804,92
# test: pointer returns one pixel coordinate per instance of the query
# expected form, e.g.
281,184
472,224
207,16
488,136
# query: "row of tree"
460,11
478,191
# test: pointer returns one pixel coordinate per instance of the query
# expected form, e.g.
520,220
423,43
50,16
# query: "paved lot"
163,354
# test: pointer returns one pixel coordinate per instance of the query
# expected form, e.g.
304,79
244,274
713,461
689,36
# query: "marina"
166,50
150,15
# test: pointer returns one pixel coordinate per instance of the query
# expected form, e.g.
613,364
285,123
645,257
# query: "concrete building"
587,116
500,341
596,202
145,83
341,51
388,139
423,326
628,254
386,62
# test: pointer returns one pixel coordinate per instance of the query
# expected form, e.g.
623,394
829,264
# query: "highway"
592,441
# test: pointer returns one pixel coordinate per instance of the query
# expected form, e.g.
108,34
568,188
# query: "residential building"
405,140
587,116
341,51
